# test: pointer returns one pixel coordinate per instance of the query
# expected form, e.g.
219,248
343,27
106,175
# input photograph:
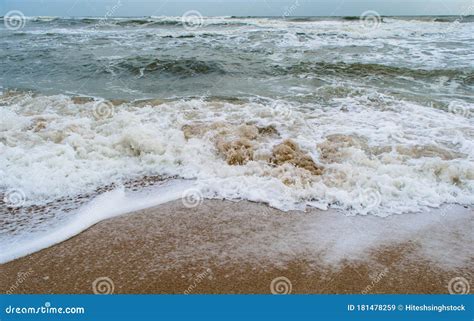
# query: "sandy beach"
126,141
244,247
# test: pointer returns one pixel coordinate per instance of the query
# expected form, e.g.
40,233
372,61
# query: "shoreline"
245,247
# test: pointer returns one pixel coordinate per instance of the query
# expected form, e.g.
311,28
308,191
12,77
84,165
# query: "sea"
104,116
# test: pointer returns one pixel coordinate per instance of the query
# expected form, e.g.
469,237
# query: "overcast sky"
237,7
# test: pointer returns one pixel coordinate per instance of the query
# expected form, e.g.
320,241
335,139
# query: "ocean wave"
366,70
236,20
185,67
146,22
69,162
384,161
194,67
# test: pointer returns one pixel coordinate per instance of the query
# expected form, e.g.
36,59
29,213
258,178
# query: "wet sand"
241,247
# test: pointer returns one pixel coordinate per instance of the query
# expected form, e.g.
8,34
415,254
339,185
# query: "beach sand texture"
245,247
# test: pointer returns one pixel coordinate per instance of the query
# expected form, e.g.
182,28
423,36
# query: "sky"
236,7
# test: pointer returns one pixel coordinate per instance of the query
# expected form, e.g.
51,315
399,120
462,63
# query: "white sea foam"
411,157
384,148
411,43
107,205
